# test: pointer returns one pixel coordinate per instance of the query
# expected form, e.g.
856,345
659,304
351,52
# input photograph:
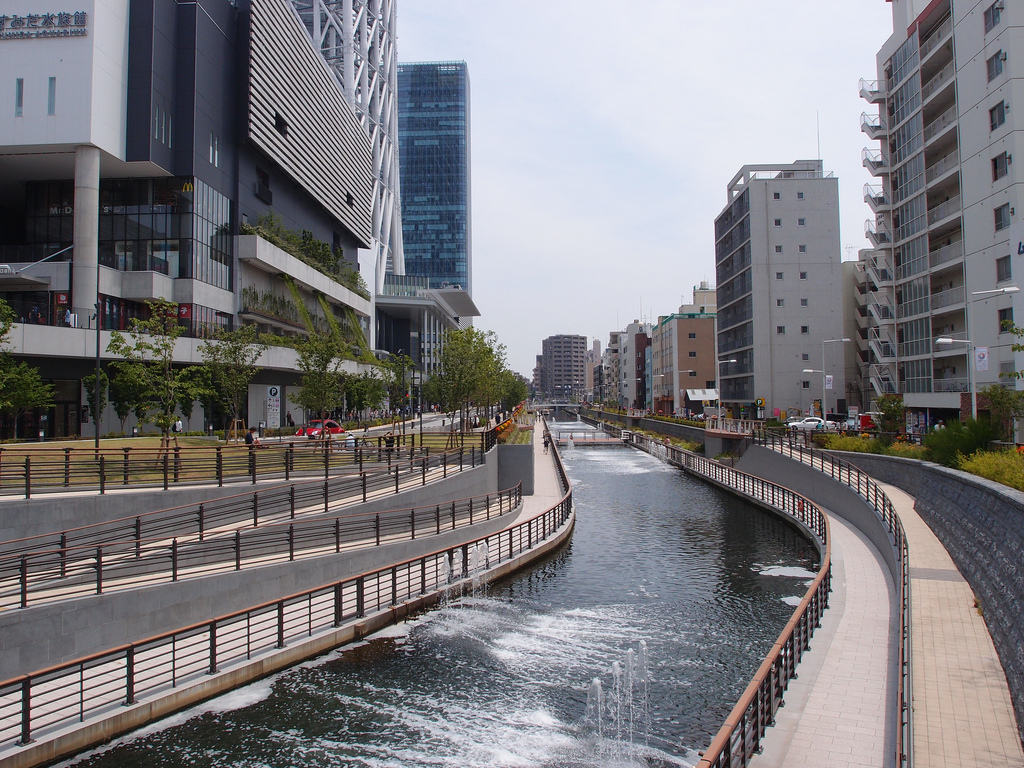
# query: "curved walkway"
962,710
839,712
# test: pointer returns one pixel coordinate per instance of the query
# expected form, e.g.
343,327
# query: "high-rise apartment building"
561,368
779,290
633,365
433,138
946,196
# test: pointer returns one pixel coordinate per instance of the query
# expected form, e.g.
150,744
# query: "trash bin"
263,426
42,434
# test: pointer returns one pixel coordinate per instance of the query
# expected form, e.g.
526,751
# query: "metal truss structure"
357,39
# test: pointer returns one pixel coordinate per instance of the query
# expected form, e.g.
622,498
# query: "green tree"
127,391
1005,405
365,391
149,356
89,383
470,363
23,389
322,386
231,362
396,374
893,415
512,388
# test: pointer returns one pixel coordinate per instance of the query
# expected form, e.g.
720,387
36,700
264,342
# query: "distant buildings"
433,137
683,356
561,370
946,233
777,260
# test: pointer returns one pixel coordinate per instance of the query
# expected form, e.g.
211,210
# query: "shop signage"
14,26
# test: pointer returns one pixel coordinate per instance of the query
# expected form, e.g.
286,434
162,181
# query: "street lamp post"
824,409
946,340
718,382
814,370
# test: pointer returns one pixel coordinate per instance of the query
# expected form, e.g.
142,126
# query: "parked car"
811,422
316,427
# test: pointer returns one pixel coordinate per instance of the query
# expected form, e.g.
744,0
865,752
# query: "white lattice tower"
357,39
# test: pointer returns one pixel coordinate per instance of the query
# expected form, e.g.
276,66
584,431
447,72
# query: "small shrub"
1004,467
964,438
853,443
908,450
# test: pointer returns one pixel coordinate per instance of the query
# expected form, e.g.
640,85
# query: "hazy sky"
604,135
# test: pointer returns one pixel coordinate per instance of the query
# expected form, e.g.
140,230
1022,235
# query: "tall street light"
946,340
718,382
824,409
680,373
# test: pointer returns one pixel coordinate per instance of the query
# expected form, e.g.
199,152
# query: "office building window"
692,335
805,384
997,115
778,249
801,222
51,97
215,150
995,65
778,222
780,302
693,353
19,97
802,249
805,329
1000,166
1005,319
780,330
803,302
805,356
803,275
992,14
1002,214
778,275
1003,269
776,195
799,195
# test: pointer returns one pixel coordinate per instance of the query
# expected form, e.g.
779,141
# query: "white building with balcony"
945,198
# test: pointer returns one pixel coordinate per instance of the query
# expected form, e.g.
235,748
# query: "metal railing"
26,471
865,487
270,505
40,703
54,575
740,736
944,209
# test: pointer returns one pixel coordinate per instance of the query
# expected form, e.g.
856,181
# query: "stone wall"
981,525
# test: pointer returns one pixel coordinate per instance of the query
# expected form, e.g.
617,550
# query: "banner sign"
981,358
828,381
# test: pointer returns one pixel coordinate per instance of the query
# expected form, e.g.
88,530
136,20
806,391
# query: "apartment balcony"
944,210
951,385
872,91
937,170
946,253
948,297
940,124
873,160
876,198
873,125
878,234
943,79
930,44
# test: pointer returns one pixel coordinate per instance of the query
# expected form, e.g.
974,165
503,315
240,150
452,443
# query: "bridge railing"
40,703
56,575
284,502
740,736
26,471
866,487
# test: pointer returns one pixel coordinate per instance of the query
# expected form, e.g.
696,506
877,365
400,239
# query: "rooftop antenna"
817,125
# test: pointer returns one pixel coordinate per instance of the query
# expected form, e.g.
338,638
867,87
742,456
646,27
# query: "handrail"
256,508
86,570
34,470
865,487
76,691
741,734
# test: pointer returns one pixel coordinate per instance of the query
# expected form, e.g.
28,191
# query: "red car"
316,427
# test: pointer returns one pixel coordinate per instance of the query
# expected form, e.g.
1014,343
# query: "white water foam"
790,571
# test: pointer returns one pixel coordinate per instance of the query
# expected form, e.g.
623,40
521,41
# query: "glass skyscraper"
433,150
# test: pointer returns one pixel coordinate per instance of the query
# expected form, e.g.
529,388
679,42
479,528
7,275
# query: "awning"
702,394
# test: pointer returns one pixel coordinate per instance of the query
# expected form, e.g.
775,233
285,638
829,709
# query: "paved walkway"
840,710
547,488
962,710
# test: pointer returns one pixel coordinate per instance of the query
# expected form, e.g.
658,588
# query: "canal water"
626,648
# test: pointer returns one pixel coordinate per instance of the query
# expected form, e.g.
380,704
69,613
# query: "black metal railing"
740,736
25,471
68,572
39,703
283,502
866,487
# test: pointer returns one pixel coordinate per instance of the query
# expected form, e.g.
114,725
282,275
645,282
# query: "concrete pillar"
87,229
